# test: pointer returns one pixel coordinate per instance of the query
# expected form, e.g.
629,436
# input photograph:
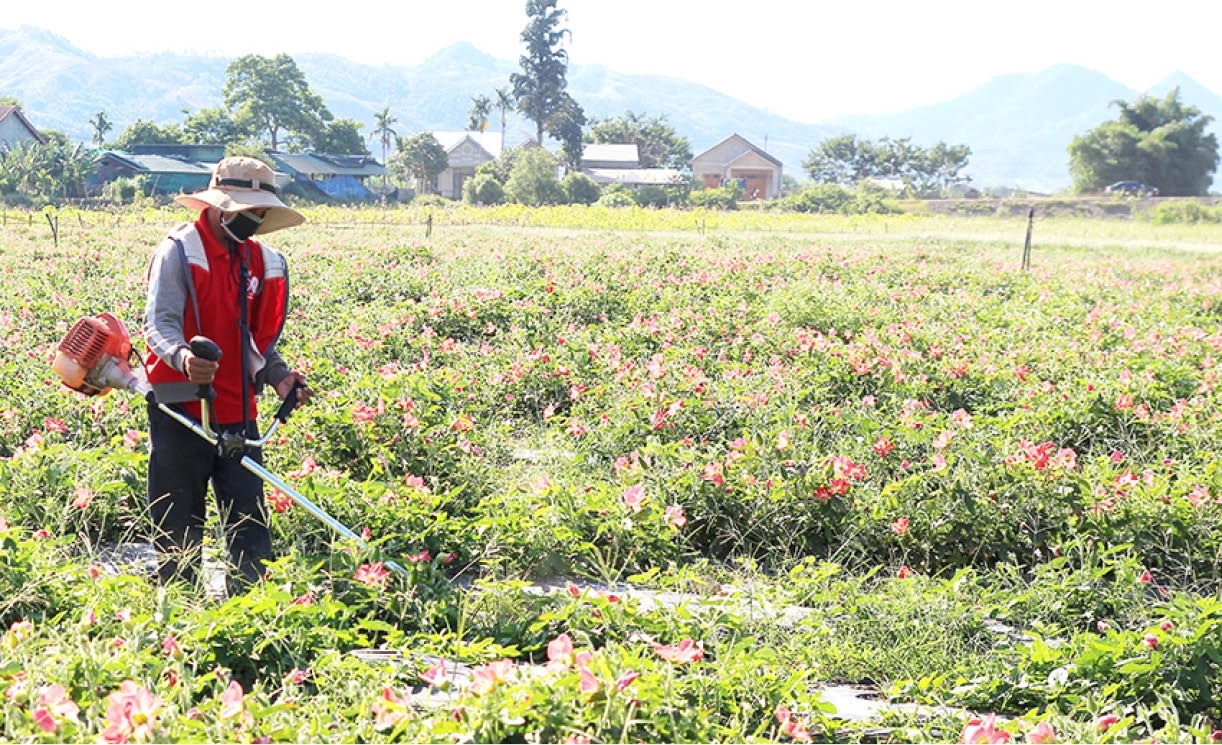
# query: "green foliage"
616,195
33,171
418,159
271,96
1179,211
144,132
720,198
214,126
1160,142
565,124
483,189
657,144
477,118
580,188
340,137
539,88
533,180
847,161
835,199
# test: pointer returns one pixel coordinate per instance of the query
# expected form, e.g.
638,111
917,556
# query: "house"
734,158
465,151
15,128
616,163
165,174
337,176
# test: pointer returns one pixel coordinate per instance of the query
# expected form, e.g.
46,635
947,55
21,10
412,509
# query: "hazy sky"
806,60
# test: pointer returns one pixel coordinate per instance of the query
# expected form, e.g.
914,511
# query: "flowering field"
993,493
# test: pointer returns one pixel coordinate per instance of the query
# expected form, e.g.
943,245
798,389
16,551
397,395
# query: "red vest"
215,314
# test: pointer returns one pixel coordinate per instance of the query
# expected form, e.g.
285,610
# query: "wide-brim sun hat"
242,183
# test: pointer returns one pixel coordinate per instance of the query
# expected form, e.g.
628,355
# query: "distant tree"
274,95
539,89
565,125
383,129
340,137
483,188
10,101
1160,142
533,180
101,125
503,102
846,160
657,144
144,132
580,188
419,159
477,118
213,126
46,171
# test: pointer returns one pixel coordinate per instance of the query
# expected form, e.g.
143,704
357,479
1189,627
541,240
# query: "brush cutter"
95,357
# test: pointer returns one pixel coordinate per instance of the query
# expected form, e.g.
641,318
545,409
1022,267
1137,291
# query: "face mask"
241,225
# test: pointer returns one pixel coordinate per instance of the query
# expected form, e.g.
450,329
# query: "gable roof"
489,142
158,163
13,111
736,146
327,165
626,154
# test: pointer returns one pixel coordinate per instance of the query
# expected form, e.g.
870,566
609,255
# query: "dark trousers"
181,463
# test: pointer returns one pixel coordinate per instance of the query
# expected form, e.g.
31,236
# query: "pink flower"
983,731
686,652
675,516
790,726
233,704
131,713
1042,734
883,447
53,706
171,647
435,676
373,575
904,572
1145,578
1106,721
296,676
1166,625
626,678
560,652
634,497
1150,640
589,684
83,495
489,676
900,526
389,710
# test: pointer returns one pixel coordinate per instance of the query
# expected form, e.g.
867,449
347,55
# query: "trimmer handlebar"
205,349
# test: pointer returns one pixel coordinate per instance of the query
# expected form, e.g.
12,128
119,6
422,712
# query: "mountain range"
1018,126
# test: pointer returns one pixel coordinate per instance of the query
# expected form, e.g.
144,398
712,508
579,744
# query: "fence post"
1027,245
54,223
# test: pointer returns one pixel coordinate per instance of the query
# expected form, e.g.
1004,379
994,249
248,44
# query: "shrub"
581,189
120,191
653,196
533,180
483,189
721,198
616,195
1183,211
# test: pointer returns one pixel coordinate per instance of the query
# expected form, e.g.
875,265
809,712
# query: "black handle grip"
205,349
290,402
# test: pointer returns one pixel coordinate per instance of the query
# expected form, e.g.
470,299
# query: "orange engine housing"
90,343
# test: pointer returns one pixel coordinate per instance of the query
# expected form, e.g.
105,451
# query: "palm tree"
101,125
382,129
504,102
478,117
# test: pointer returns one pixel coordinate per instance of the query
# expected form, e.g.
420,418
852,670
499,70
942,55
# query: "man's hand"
286,384
199,370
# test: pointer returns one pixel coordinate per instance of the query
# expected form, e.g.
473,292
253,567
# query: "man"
211,278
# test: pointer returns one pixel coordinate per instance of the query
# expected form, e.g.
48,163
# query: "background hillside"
1018,125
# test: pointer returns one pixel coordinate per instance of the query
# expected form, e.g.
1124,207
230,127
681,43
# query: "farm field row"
882,422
